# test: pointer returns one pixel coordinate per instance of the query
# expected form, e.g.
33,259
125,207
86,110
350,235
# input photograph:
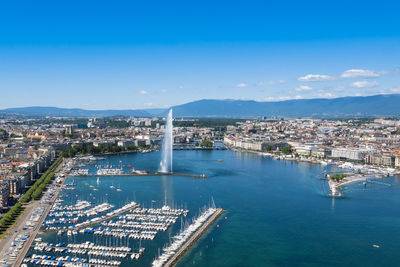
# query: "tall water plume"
166,149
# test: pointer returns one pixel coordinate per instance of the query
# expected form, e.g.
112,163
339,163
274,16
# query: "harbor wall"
194,238
144,174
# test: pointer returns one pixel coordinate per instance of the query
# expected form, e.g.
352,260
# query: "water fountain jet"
167,145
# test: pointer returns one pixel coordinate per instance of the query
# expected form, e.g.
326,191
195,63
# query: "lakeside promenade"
36,230
18,228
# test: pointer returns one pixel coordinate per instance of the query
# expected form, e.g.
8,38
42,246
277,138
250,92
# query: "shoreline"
194,238
371,171
147,151
379,170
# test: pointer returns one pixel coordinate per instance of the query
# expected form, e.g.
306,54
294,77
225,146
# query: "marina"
110,228
118,226
103,232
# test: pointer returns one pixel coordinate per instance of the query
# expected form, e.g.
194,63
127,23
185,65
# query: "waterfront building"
14,186
349,153
321,152
380,159
4,194
397,161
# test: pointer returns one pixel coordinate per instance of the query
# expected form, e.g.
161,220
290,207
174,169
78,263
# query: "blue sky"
145,54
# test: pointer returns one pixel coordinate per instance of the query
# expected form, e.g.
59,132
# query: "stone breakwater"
193,239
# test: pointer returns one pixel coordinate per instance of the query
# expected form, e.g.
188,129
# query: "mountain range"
377,105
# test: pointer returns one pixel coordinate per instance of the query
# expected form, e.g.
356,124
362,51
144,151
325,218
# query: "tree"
286,150
268,148
207,143
337,177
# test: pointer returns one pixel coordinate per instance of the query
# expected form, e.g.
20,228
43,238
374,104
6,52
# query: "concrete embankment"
193,239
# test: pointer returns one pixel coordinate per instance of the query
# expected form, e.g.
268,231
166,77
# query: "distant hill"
378,105
72,112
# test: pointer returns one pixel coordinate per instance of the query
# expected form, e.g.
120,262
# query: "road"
5,244
17,229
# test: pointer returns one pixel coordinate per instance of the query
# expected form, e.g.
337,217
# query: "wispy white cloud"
241,85
163,90
326,95
364,84
395,90
143,92
359,73
303,88
283,98
270,83
315,78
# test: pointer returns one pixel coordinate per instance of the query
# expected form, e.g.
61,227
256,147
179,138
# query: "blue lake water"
278,212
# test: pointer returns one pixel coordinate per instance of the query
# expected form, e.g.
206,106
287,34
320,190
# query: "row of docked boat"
164,211
79,205
67,261
109,215
182,237
79,172
90,249
78,210
109,171
159,226
72,214
120,233
98,209
62,223
82,251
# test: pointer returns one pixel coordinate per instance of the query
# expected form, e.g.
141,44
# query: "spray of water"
166,149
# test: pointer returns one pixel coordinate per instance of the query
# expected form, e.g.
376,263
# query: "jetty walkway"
143,174
193,239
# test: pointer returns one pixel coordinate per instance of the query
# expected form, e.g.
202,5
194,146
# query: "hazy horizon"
165,108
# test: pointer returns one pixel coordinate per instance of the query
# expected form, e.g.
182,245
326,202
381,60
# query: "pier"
193,239
144,174
334,185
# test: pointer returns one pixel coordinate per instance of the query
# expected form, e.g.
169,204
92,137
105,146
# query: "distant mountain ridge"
377,105
73,112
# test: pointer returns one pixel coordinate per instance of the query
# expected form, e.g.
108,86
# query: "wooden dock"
193,239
